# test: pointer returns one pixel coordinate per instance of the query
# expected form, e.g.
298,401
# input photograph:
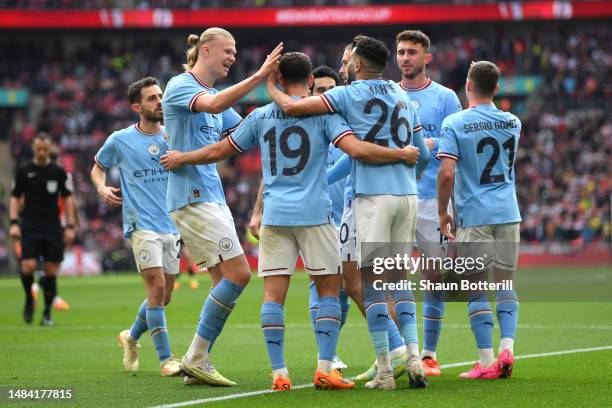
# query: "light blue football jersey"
433,102
144,181
341,170
294,154
336,190
380,112
484,141
188,130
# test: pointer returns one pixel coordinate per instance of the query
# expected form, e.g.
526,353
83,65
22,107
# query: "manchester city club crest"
154,149
225,244
144,255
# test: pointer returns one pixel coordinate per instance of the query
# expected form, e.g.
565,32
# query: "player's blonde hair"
196,42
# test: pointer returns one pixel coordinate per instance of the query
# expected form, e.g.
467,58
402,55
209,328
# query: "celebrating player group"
350,162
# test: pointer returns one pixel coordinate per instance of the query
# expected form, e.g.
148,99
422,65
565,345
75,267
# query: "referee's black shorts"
46,242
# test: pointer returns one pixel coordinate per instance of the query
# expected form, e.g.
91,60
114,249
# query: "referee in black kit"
36,191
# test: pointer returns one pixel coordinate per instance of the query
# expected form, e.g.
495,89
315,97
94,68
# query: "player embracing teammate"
379,112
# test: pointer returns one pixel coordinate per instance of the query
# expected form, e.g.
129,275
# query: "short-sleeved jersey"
188,130
380,112
336,190
41,187
144,182
433,102
483,140
294,154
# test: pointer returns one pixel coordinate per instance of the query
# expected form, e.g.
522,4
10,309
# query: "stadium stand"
77,81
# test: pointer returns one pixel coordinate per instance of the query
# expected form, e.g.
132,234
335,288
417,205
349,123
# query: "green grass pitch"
81,352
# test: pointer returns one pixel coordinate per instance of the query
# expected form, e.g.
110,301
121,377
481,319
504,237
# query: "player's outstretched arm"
108,193
208,154
312,105
225,99
446,175
375,154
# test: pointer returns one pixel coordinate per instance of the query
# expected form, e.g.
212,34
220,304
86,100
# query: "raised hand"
271,62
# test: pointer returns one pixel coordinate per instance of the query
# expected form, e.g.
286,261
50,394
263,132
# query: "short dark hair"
374,51
325,71
134,90
43,137
484,75
295,67
415,36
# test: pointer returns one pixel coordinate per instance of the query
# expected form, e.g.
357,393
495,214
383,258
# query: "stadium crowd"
168,4
77,95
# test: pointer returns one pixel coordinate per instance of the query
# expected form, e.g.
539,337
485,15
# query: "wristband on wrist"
14,221
71,226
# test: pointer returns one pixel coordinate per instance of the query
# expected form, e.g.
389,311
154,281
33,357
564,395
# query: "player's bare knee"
28,267
237,270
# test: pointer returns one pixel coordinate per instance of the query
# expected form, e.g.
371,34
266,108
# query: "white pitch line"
296,387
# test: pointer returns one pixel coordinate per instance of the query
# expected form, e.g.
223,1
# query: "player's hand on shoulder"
15,231
412,154
110,195
447,225
255,224
271,63
172,160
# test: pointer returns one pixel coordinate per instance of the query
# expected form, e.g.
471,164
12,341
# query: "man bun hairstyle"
196,42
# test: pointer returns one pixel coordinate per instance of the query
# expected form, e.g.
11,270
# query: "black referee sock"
27,282
50,291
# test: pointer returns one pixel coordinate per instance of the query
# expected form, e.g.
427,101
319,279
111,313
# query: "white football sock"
198,350
324,366
413,349
384,362
428,353
398,352
506,343
486,357
280,371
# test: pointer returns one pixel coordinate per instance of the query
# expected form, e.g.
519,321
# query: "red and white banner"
305,16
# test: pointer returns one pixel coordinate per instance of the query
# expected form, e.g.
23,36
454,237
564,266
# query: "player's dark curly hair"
134,90
373,51
295,67
325,71
484,75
